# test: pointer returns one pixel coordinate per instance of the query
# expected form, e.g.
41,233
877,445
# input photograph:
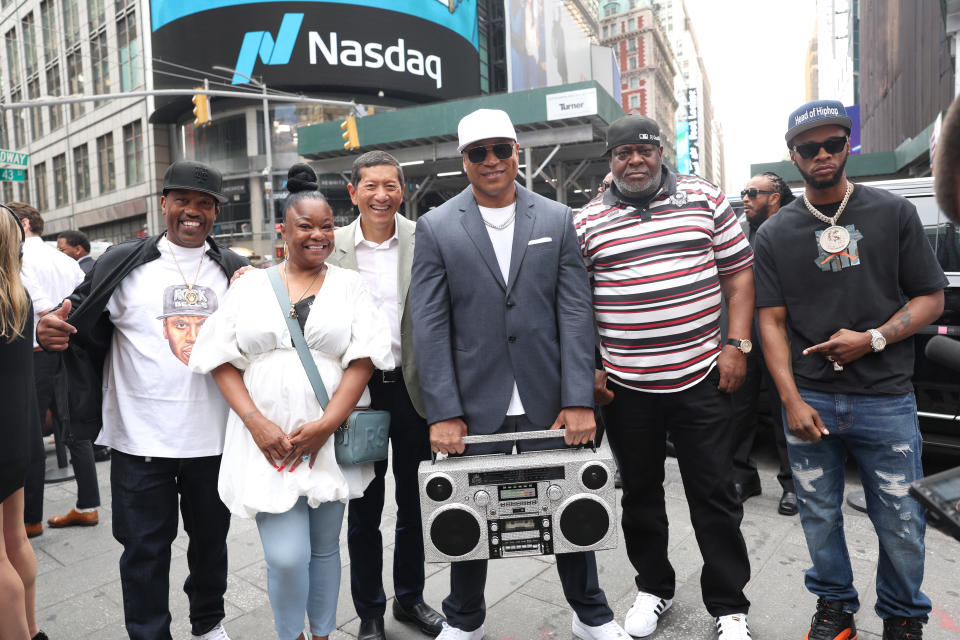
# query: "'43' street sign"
12,175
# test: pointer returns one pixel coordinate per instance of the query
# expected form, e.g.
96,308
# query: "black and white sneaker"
733,627
643,616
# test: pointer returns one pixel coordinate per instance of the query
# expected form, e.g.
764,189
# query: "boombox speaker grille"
455,532
584,522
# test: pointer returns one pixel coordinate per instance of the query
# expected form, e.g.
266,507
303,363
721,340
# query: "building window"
60,185
610,9
105,164
48,24
606,31
632,62
40,183
634,82
128,50
634,101
632,44
53,89
133,152
75,81
630,24
96,14
36,113
13,58
71,21
29,44
100,62
8,192
19,116
81,165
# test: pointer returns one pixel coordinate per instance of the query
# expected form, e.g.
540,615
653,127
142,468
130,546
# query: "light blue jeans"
302,551
882,435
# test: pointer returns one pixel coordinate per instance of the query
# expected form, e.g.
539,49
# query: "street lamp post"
268,148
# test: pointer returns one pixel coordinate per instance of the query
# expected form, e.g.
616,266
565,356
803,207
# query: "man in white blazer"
503,333
379,244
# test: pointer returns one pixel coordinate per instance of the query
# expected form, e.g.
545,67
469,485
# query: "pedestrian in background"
76,245
49,277
840,299
762,197
18,565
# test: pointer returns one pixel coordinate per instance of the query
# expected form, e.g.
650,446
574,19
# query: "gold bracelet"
248,415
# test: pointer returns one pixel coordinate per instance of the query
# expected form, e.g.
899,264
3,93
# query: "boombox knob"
482,498
554,492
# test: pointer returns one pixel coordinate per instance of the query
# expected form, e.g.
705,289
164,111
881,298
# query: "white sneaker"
733,627
452,633
609,631
643,616
217,633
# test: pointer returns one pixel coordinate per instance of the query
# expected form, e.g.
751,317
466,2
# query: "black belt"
388,377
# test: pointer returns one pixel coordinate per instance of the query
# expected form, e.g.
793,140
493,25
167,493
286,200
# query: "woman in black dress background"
18,407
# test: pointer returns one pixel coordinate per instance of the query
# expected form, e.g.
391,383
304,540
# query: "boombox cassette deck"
532,503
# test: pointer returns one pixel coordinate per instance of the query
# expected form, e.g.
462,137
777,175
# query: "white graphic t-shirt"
153,405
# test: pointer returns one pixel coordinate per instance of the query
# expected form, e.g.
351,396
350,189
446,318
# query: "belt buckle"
390,377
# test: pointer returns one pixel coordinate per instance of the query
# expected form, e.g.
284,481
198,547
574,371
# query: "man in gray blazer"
379,244
503,332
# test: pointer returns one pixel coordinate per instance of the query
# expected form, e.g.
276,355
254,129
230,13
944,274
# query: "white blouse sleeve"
217,341
369,329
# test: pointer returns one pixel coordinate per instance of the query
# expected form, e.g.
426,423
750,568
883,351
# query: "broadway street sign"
15,158
12,175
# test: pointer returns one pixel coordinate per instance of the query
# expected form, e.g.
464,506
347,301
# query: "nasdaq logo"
270,51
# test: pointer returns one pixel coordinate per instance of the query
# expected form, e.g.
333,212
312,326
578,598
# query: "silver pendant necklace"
834,238
191,297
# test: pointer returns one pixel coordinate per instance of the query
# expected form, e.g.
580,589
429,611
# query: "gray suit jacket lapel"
522,229
473,224
345,251
406,239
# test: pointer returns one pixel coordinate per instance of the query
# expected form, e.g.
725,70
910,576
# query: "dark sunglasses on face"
752,193
808,150
502,150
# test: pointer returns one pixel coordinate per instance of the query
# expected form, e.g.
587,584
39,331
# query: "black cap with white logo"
194,176
632,129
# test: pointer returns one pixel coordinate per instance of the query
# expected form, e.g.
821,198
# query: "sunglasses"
808,150
752,192
502,150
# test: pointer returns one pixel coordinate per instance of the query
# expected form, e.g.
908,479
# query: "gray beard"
639,193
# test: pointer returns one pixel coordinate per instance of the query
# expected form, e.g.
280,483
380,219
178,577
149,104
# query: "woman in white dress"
278,459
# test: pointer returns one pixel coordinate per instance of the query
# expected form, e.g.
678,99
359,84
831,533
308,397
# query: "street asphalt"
79,595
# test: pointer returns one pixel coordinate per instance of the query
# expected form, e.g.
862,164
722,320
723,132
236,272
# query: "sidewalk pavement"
79,595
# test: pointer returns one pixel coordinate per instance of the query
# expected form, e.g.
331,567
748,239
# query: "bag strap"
298,340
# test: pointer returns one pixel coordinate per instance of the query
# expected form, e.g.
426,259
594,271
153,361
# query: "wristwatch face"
745,346
877,341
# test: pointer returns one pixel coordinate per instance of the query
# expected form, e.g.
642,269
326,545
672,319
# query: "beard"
832,181
638,192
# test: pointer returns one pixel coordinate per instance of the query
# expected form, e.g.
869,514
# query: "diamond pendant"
293,312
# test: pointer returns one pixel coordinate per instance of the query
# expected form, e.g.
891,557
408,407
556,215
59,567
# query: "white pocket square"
540,240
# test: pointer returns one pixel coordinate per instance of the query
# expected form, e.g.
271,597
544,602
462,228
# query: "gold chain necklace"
833,239
191,296
286,283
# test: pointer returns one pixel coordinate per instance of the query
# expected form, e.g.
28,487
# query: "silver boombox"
527,504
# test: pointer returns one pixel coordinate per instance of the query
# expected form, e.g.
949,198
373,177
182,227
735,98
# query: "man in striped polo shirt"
660,249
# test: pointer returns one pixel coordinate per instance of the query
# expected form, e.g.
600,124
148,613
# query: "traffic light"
350,136
201,109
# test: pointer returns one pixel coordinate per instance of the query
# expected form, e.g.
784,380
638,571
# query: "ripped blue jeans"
882,435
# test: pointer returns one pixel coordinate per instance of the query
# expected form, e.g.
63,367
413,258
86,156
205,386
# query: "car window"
941,233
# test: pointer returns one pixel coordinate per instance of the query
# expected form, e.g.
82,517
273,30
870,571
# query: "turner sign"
413,51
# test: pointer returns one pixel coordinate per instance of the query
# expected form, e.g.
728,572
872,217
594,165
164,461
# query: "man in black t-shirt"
844,278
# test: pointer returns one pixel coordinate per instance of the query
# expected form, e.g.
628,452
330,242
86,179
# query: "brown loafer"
33,530
75,519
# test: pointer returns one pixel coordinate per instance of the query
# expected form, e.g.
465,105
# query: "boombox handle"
517,435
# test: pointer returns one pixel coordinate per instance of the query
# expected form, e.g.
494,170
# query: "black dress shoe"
747,489
421,614
788,504
371,630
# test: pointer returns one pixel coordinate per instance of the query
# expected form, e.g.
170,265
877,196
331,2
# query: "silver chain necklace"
504,224
834,238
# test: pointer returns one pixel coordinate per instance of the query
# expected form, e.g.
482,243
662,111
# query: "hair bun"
301,177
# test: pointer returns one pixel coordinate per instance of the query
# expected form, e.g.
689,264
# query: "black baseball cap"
632,129
194,176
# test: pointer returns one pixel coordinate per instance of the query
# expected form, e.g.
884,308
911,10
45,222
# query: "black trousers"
51,390
410,443
146,493
746,423
465,607
699,426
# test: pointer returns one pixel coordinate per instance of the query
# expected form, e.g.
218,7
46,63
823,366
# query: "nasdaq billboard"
413,51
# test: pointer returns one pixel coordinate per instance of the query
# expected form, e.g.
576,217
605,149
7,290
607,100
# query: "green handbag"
365,435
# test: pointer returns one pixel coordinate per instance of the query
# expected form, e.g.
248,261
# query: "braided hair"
786,195
301,185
